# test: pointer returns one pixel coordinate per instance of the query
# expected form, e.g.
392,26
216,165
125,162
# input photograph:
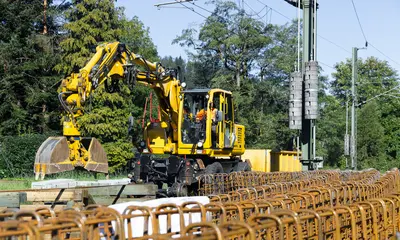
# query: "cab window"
229,108
194,118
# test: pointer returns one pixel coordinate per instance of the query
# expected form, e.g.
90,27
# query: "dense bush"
17,154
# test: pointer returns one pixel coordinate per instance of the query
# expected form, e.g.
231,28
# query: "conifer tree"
27,57
92,22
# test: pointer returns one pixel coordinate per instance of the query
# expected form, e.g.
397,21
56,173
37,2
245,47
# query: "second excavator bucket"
53,156
97,156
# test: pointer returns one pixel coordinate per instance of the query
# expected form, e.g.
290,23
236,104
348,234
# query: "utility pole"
353,136
308,139
309,78
354,104
347,136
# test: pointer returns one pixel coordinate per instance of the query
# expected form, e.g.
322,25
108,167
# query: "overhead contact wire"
359,22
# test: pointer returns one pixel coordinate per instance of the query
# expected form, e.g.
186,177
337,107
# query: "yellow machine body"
229,136
114,62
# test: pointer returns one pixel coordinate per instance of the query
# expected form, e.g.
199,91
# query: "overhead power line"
256,13
365,38
275,10
359,22
191,9
171,3
326,65
370,44
324,38
385,92
159,5
265,5
201,7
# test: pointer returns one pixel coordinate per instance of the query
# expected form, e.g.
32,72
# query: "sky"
336,21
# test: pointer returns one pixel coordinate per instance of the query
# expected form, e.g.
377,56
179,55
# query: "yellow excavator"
196,130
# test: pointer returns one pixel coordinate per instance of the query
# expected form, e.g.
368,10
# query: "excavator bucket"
97,156
52,157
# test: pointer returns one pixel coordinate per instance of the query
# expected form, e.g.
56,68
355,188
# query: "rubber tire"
242,167
215,167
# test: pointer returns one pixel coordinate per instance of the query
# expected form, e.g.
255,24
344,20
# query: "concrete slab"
86,183
71,183
57,183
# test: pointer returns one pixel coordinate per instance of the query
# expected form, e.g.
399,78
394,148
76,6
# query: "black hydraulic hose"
65,106
145,62
151,168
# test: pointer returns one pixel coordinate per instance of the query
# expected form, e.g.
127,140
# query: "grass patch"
21,182
15,184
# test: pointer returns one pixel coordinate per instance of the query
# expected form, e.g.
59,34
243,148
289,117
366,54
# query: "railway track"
246,205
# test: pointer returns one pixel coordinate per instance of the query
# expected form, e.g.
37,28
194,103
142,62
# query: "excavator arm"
111,63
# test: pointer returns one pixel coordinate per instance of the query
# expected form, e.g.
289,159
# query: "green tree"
280,55
331,128
89,22
136,36
272,90
374,77
201,69
27,58
231,35
377,82
371,138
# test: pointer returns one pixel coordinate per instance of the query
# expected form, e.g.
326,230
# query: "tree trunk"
238,78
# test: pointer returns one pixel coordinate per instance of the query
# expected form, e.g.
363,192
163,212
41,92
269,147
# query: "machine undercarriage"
177,176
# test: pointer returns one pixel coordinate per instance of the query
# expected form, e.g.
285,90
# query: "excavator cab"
207,121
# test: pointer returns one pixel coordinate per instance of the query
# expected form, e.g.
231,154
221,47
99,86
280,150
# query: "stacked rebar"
252,205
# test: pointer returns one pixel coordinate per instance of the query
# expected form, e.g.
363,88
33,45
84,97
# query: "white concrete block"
56,183
71,183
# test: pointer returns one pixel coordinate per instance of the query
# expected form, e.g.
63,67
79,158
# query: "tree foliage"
232,50
236,39
17,154
377,127
91,23
27,58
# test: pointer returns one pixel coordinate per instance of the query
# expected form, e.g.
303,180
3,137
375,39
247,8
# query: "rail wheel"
242,167
215,167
